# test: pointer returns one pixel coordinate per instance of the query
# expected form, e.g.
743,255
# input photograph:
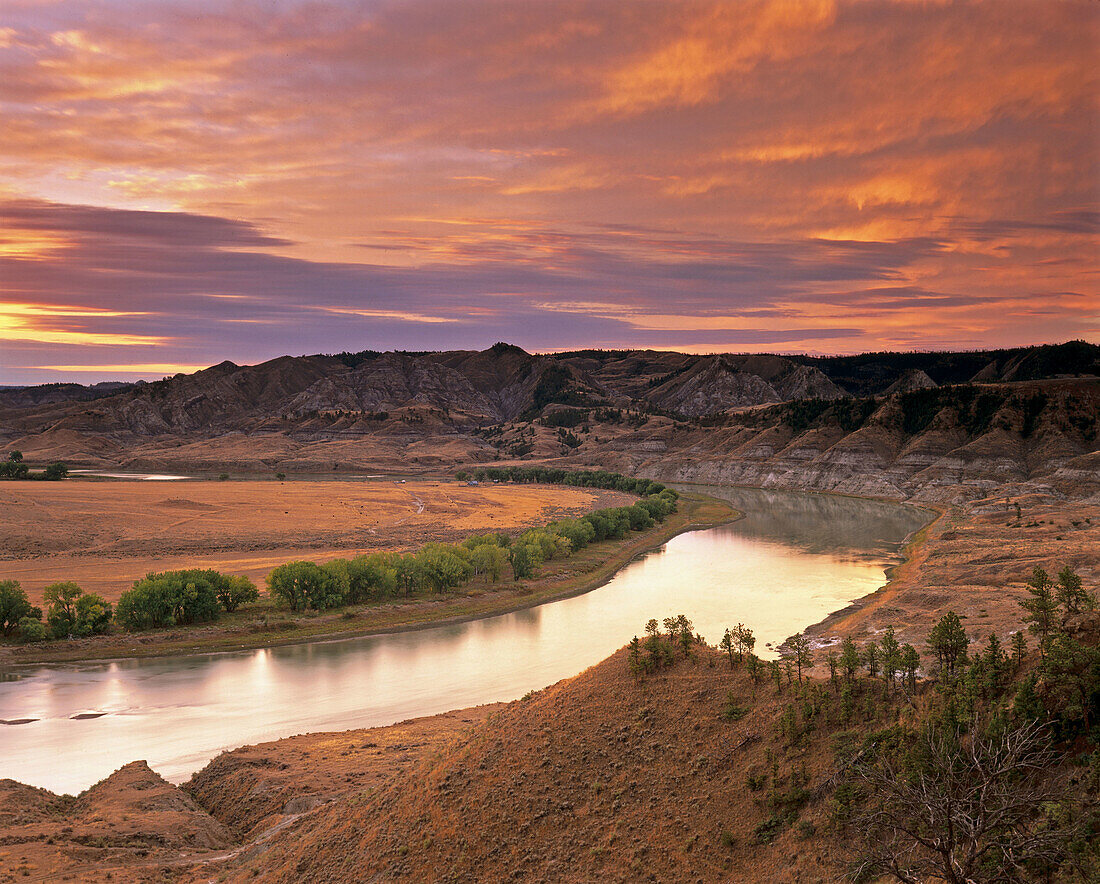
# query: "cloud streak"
752,175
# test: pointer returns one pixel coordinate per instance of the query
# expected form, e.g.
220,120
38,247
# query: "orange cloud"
39,324
691,164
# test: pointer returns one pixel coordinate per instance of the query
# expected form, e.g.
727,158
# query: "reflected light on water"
774,571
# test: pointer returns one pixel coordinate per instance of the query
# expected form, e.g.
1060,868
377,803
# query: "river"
792,560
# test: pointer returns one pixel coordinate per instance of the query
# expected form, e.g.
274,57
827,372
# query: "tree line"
192,596
15,468
558,476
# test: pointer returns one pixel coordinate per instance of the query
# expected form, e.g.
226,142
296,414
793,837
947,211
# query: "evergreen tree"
637,667
1041,607
891,656
727,644
849,658
754,669
746,641
910,663
1072,594
871,658
1019,649
801,654
833,662
948,642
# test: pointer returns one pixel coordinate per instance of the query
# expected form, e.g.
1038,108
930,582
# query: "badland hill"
889,424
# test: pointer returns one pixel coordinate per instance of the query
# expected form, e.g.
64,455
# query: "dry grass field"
105,534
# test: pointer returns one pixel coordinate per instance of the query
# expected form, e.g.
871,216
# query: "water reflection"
822,524
794,559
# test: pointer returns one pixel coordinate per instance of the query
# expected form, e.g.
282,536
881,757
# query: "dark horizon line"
569,352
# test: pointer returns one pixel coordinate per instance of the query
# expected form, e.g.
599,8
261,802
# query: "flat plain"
104,534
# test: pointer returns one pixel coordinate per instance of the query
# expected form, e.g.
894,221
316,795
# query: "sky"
187,182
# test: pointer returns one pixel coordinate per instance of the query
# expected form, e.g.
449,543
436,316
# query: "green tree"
371,577
1071,684
753,666
910,663
1072,594
871,658
13,467
727,645
443,567
520,559
170,598
1019,649
833,662
776,672
849,658
236,591
489,559
948,642
746,641
93,614
60,599
801,653
634,655
408,573
305,585
14,606
55,471
73,612
685,632
891,656
1041,608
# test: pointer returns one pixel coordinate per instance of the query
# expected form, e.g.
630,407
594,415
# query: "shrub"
171,598
31,629
55,471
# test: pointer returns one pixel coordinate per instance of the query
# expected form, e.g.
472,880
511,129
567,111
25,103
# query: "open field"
106,534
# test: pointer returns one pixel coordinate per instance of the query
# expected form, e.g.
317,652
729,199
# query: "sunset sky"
187,182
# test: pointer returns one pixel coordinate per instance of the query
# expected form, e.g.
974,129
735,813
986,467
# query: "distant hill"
818,422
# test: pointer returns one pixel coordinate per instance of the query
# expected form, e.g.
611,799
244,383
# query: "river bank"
266,625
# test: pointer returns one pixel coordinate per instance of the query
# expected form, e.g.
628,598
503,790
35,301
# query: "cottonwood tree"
964,808
14,605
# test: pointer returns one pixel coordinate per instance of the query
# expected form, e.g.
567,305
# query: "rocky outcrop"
713,386
914,379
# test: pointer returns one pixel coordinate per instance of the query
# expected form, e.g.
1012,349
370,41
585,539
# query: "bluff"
888,424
